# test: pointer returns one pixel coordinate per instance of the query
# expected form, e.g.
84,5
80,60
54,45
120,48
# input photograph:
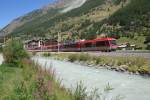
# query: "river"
131,87
1,59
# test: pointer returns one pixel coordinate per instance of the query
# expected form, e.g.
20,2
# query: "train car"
87,45
105,44
99,44
70,47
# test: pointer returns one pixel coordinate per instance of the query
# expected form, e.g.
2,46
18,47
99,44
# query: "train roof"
86,41
98,39
105,39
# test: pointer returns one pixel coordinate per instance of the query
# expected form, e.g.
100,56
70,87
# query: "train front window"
113,42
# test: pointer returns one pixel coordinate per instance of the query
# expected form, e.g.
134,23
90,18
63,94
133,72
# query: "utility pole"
58,49
4,38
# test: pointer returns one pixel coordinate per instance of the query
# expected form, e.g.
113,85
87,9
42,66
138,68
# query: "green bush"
14,52
73,57
47,54
79,57
84,57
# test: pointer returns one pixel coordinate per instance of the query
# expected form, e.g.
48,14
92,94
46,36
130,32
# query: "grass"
29,83
47,54
8,75
34,83
131,64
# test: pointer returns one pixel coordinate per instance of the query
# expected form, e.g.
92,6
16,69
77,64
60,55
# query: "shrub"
47,54
84,57
14,52
145,68
137,61
73,57
97,60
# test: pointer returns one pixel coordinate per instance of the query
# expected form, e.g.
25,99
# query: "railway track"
122,54
144,54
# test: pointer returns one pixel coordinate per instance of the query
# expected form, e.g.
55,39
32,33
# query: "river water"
1,59
131,87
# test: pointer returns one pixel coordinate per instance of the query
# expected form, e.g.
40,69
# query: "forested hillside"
131,20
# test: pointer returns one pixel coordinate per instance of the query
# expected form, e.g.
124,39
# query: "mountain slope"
48,10
22,20
115,17
133,19
41,24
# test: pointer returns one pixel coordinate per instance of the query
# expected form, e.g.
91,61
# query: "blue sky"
11,9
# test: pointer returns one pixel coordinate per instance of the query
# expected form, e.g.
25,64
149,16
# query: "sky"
11,9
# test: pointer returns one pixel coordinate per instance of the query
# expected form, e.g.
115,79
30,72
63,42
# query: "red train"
100,44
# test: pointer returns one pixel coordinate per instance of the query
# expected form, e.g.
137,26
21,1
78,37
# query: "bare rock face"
72,4
65,5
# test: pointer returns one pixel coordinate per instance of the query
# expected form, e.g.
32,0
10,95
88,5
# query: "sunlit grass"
7,77
29,83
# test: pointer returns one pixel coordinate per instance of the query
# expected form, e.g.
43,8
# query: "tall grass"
36,83
80,92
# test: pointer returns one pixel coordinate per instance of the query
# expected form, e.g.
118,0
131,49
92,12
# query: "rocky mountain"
38,20
51,9
48,10
85,18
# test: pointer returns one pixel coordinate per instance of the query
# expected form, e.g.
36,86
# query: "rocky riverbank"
121,68
132,65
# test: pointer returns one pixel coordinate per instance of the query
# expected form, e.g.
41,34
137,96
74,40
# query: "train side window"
70,46
73,46
100,43
88,45
107,43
